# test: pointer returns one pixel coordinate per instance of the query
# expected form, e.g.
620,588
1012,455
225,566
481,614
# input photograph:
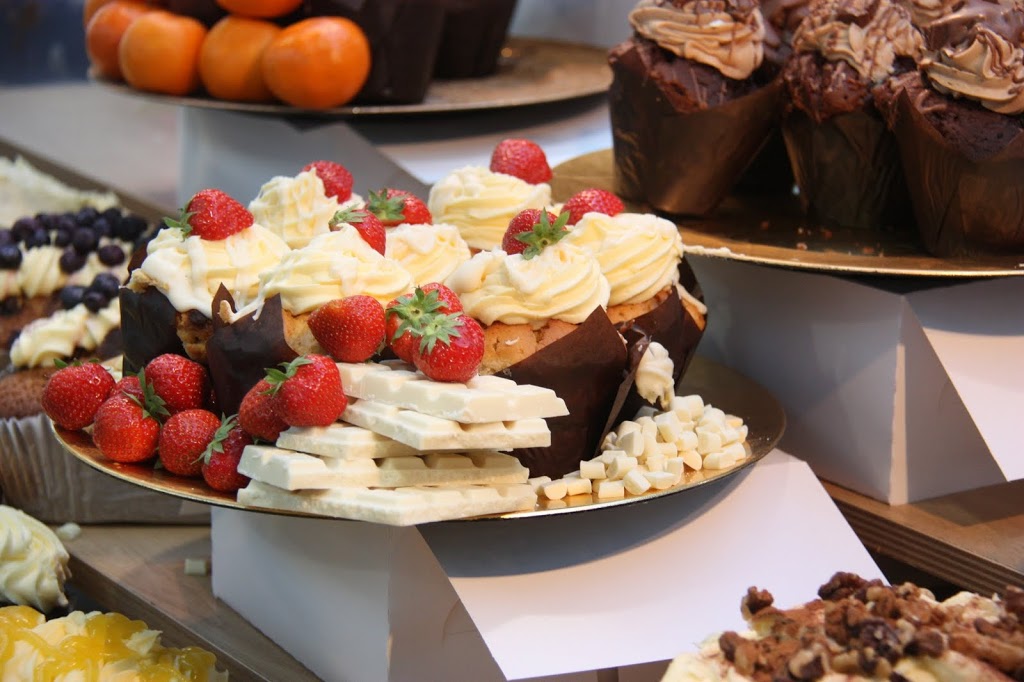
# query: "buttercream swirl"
58,336
25,190
869,35
923,12
564,283
33,562
721,34
654,376
638,253
333,265
296,209
428,252
481,203
190,270
40,274
986,68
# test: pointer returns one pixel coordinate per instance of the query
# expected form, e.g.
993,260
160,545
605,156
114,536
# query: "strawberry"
74,392
450,349
256,415
182,383
212,215
124,431
395,206
307,391
350,329
369,226
336,178
592,201
220,459
405,312
183,440
521,158
128,385
531,230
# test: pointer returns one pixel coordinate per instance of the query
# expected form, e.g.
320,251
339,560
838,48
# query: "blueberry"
65,222
61,238
40,237
130,228
106,284
10,305
71,295
23,227
102,227
111,255
84,240
95,301
10,257
87,216
113,215
6,236
48,220
71,261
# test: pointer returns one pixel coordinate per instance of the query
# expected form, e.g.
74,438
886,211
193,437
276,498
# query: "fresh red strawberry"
74,393
369,226
405,313
350,329
307,391
128,385
531,230
450,349
124,431
592,201
184,439
521,158
220,460
212,215
336,178
182,383
256,415
396,206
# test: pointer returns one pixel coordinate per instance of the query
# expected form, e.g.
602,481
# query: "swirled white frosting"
481,203
428,252
563,283
638,253
296,209
654,376
44,340
25,191
33,562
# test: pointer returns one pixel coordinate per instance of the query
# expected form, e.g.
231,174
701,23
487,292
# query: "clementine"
229,61
160,53
260,9
89,8
317,63
103,35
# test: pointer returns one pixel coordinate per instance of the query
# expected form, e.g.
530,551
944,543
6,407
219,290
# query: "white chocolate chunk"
538,483
609,456
666,450
555,490
645,411
635,482
428,433
592,469
732,421
742,430
669,426
343,441
719,460
578,486
708,441
621,466
692,406
675,467
626,427
687,441
609,441
609,490
729,435
712,415
632,443
660,480
692,459
736,451
655,463
397,507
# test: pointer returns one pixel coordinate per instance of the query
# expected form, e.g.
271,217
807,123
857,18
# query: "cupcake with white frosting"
298,208
429,253
33,562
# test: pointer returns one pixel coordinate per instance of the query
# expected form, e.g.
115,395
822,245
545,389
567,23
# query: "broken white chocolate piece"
609,456
669,426
635,482
675,467
712,415
655,463
621,466
645,411
538,483
632,443
719,460
736,451
609,490
688,407
578,486
687,441
626,427
666,450
555,490
708,441
660,480
343,441
609,441
692,459
197,566
592,469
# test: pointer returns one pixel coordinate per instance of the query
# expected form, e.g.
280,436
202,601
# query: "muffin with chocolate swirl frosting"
959,127
691,102
843,157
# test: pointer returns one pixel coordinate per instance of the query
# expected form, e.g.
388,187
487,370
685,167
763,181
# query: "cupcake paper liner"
848,170
148,327
963,207
39,477
472,37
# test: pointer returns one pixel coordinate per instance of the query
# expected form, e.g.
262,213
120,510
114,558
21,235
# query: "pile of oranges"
313,63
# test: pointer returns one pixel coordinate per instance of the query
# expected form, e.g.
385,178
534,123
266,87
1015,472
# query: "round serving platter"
530,71
771,230
718,385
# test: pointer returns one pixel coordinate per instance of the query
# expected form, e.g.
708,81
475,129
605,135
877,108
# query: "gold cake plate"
718,385
771,230
530,71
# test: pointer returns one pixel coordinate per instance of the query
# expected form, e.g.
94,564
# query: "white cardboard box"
899,395
566,597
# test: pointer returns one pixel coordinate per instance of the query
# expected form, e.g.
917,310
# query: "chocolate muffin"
844,158
472,36
691,102
781,19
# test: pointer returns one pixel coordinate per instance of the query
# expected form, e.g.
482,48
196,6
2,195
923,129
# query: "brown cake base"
472,37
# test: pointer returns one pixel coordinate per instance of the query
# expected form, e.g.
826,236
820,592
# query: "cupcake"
429,253
959,131
33,565
781,19
481,203
298,208
844,158
472,36
691,102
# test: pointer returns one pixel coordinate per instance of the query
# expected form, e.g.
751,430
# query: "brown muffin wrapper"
770,172
148,327
962,207
472,37
684,163
586,368
43,480
239,353
848,170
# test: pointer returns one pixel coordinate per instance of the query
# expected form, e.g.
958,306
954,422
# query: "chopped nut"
754,601
806,665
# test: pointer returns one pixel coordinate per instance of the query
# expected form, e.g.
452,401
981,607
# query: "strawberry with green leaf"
450,347
221,457
405,314
396,206
212,215
183,440
256,414
307,391
369,226
336,178
183,384
532,230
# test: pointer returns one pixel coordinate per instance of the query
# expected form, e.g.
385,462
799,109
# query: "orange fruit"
160,53
230,58
317,63
104,32
89,8
260,9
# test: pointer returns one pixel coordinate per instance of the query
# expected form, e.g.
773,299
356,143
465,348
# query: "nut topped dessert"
782,18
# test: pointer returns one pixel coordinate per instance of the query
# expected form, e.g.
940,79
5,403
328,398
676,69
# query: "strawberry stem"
277,377
543,234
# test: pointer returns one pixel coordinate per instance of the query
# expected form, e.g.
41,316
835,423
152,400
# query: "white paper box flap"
642,583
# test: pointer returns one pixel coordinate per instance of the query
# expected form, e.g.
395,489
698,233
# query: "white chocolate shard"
480,400
538,483
342,441
621,466
719,460
708,441
609,490
592,469
660,480
395,507
632,443
675,468
577,486
427,433
692,459
687,441
555,490
635,482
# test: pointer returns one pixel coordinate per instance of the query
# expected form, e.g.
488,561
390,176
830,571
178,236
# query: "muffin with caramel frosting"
692,101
